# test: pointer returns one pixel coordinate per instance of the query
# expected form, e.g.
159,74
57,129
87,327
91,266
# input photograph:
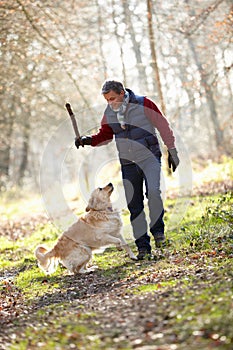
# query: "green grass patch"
55,335
149,288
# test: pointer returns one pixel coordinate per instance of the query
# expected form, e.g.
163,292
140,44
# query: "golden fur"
99,227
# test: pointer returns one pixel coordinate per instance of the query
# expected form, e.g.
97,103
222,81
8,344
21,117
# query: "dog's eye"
100,188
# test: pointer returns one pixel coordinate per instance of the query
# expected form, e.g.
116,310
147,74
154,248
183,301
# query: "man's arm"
102,137
160,122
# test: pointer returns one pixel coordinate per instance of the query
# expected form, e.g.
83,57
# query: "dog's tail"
46,259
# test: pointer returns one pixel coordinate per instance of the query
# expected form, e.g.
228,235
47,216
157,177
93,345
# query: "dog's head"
100,198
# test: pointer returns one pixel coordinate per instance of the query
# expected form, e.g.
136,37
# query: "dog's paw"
92,268
133,257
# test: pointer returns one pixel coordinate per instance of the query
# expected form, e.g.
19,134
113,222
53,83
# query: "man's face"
114,100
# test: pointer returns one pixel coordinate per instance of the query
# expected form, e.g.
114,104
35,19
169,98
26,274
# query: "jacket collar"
132,97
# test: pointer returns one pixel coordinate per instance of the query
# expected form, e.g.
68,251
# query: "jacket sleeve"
104,135
160,122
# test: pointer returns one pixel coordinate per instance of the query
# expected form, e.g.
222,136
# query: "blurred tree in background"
179,53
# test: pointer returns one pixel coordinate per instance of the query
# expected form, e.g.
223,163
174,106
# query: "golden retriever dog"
99,227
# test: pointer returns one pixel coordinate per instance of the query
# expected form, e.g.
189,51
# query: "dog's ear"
91,203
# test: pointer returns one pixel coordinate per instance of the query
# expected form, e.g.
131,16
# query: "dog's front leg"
119,242
128,250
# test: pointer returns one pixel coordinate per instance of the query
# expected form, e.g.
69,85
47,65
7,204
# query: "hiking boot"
144,255
160,241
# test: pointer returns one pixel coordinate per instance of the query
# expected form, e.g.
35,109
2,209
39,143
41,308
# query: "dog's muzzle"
110,186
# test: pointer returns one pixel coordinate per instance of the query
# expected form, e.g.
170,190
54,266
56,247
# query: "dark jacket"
138,140
138,137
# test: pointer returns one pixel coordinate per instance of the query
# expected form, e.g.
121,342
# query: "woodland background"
179,53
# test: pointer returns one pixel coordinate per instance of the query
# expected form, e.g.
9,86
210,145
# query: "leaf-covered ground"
182,299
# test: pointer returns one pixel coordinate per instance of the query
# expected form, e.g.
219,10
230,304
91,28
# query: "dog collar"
107,209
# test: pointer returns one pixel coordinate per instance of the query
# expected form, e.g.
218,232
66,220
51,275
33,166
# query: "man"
133,120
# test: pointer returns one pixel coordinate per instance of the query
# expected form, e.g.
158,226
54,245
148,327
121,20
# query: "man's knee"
154,193
135,211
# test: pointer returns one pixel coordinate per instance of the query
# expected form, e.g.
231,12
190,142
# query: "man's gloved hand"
173,160
84,140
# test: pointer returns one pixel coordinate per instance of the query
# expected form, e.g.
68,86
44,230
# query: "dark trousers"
134,177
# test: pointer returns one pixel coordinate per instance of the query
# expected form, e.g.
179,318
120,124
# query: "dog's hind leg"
87,255
76,261
46,259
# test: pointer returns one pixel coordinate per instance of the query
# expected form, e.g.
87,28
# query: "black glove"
173,160
84,140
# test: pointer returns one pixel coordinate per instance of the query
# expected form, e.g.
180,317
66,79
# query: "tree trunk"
6,127
136,47
25,149
154,63
219,136
101,40
120,43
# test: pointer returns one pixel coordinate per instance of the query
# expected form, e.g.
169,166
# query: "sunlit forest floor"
181,299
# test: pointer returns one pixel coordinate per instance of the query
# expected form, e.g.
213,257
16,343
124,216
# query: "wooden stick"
74,122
